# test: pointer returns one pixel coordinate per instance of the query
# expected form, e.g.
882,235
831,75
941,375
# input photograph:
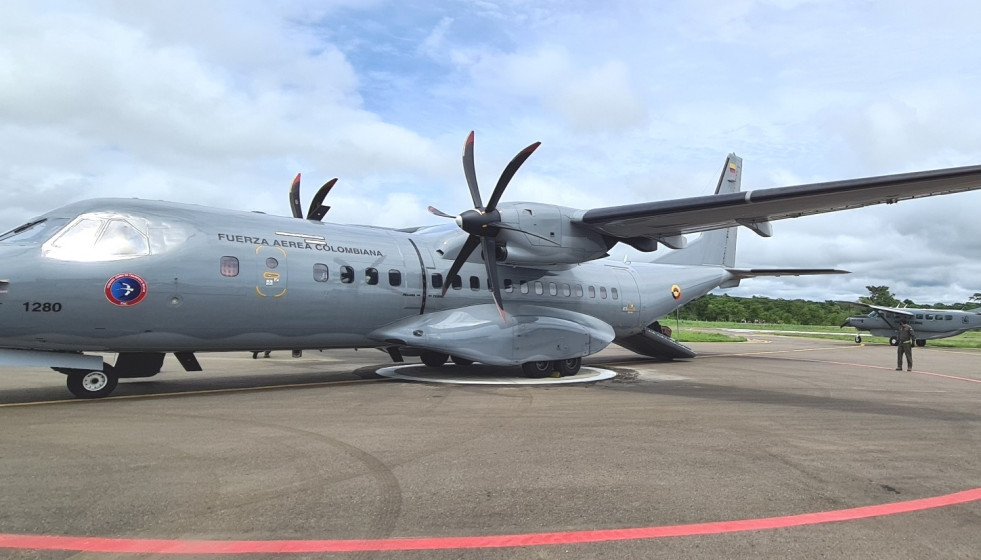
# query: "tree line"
712,307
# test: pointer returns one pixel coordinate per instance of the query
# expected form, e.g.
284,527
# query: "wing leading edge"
755,209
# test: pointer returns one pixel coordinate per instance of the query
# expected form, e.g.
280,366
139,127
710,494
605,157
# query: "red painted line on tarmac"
174,546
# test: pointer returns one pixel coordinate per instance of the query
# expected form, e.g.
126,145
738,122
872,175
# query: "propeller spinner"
317,210
483,223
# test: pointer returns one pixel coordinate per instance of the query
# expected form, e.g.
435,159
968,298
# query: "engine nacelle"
553,239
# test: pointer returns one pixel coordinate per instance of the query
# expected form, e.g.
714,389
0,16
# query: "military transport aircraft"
507,284
927,323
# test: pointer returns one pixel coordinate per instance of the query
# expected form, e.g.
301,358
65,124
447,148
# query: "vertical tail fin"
718,246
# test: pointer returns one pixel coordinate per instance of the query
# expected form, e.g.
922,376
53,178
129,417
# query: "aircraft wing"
755,209
896,310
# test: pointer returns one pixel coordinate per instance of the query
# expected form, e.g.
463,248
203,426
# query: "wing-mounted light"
317,209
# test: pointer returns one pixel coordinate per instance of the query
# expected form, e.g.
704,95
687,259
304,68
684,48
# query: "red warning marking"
173,546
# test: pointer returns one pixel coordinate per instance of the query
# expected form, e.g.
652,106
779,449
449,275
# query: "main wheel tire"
921,342
434,359
92,384
893,341
537,370
461,361
569,367
858,339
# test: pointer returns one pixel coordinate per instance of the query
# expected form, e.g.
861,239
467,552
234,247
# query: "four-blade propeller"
483,223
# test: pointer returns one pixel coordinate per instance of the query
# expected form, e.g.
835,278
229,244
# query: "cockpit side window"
36,231
98,237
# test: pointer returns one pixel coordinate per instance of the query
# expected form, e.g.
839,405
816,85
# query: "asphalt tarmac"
775,448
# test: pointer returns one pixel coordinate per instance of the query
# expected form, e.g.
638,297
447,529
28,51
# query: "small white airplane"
927,323
141,279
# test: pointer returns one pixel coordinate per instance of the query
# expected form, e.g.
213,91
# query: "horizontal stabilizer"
741,273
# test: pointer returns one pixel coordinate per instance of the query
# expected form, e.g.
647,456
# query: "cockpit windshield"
36,231
99,236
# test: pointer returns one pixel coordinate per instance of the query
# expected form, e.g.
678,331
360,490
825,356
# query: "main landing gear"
538,370
535,370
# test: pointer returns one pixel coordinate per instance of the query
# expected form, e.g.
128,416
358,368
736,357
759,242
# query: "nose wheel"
86,384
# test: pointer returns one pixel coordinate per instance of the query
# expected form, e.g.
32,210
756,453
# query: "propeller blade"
318,199
490,261
468,248
509,227
508,173
295,198
470,171
440,213
318,213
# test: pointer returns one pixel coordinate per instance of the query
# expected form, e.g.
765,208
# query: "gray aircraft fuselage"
219,280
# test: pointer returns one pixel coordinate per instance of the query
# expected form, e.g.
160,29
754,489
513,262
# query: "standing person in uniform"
906,337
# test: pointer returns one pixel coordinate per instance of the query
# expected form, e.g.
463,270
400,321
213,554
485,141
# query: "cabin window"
949,317
456,282
437,280
320,272
508,285
228,266
919,315
539,288
566,290
592,291
347,274
614,293
602,292
475,283
394,277
271,262
371,276
523,287
929,317
552,289
578,290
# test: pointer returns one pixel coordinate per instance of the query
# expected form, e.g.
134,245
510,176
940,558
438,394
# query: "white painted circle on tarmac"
487,375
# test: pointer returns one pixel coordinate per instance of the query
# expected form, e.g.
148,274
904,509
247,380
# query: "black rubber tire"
858,339
568,367
921,342
461,361
537,370
434,359
92,384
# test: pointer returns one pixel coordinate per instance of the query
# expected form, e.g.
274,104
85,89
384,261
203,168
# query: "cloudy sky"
222,103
